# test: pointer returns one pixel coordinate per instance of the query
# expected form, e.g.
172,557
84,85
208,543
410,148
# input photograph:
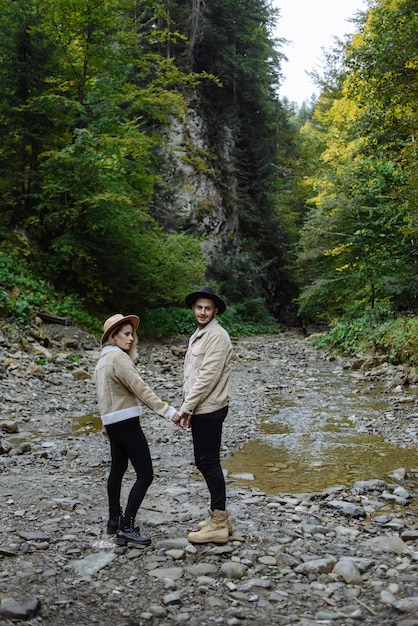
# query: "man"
205,405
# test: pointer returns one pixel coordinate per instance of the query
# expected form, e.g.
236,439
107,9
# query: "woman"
120,392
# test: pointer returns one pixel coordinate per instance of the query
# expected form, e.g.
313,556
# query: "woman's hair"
110,341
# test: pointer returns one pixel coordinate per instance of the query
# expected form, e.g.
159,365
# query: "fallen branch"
52,319
365,606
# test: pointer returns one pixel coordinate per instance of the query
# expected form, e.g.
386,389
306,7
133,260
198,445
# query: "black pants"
207,435
128,443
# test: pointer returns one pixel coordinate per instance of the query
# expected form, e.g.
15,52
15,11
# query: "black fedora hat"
205,292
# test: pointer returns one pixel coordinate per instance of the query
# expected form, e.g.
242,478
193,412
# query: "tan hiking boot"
208,521
216,531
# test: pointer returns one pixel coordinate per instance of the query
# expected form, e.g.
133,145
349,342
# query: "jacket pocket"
197,356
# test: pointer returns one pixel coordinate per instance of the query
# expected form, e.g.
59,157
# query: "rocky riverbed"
346,555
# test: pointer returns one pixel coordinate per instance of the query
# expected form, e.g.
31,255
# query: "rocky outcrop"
195,179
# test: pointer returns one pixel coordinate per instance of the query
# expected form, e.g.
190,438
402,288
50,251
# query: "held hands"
182,419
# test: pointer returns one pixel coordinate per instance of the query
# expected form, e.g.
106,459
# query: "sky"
310,26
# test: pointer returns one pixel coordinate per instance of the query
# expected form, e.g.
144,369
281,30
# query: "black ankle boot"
113,522
128,533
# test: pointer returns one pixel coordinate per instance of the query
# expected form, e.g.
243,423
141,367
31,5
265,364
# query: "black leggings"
128,443
207,435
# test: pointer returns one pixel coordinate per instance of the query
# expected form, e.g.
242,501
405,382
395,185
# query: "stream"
312,438
298,423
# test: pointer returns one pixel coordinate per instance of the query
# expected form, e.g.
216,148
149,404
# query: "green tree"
248,131
28,63
104,99
358,243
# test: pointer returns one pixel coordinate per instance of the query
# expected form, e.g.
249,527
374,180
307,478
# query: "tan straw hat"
116,320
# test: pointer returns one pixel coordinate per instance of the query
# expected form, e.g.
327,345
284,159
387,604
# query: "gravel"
345,555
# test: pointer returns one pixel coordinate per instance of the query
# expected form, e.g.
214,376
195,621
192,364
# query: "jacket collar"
107,349
199,331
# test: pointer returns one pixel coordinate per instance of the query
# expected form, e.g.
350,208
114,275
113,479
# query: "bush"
237,325
171,322
22,294
398,339
374,331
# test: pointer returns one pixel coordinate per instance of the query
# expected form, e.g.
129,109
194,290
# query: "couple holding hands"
121,392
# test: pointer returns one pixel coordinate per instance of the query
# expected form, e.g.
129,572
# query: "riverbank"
346,555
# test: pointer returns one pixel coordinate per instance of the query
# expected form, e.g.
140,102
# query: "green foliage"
111,251
233,40
23,294
166,322
244,320
165,269
372,331
254,311
238,275
172,322
358,242
399,339
85,94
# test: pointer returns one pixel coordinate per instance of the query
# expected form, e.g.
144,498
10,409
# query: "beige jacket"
121,390
206,370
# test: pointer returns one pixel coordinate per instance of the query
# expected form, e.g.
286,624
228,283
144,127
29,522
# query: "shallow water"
302,464
309,440
87,424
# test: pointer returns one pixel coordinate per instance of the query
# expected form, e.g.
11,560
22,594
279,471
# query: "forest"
144,152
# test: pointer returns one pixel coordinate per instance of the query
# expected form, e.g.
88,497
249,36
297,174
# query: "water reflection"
87,424
303,464
310,440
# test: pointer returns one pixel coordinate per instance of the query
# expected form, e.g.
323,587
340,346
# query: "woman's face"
124,337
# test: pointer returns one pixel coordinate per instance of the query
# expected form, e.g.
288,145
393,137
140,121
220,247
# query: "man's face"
204,310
